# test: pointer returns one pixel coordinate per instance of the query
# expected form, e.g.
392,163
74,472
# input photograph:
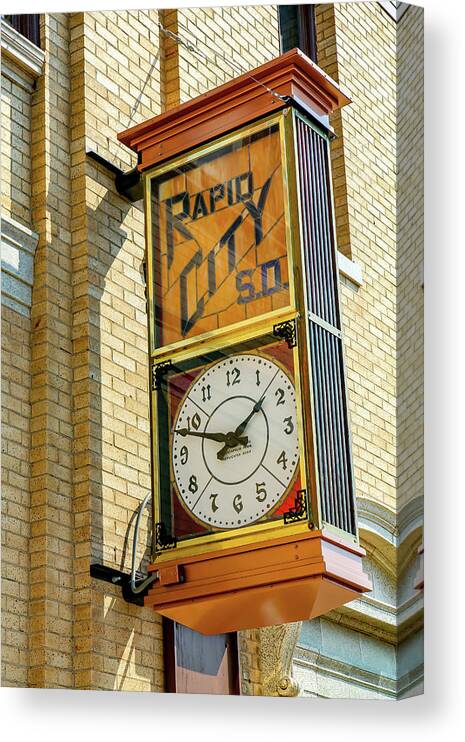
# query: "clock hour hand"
256,408
232,440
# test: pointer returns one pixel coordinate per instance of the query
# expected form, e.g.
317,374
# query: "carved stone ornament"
277,645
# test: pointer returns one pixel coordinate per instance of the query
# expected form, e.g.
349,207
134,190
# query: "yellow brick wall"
365,38
228,41
410,256
51,543
16,441
119,646
250,680
16,101
169,59
16,142
327,53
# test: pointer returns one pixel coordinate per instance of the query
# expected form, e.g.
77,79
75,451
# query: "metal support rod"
132,591
151,578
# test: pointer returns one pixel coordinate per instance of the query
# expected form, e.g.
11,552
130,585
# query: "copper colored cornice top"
241,100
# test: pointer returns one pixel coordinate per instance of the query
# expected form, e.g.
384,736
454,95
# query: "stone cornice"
393,528
16,47
349,269
310,660
379,619
375,514
410,518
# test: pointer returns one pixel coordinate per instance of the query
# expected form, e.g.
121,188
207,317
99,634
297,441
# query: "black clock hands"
234,438
230,440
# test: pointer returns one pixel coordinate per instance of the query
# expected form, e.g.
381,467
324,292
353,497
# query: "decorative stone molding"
349,269
18,245
16,47
419,583
381,620
391,527
277,645
314,669
327,674
374,516
394,8
410,518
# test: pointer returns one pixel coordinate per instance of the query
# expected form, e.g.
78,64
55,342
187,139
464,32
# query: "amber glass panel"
219,240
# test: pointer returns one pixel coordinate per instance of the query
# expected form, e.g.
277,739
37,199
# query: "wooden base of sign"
263,584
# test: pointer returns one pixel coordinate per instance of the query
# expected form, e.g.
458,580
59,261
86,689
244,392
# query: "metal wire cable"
195,50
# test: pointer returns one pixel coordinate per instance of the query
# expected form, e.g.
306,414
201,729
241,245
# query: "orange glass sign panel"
219,238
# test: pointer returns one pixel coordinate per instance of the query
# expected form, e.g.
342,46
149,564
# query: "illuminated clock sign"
220,250
253,497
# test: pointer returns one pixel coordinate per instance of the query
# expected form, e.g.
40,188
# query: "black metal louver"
337,498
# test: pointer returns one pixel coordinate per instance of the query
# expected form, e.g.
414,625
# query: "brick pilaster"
51,544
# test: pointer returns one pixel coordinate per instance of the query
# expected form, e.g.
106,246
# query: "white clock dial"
235,446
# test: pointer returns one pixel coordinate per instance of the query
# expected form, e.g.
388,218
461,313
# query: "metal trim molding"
394,8
18,246
22,51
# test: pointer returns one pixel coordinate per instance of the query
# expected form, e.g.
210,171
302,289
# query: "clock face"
235,449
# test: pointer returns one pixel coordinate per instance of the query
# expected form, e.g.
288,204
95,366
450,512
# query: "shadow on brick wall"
126,639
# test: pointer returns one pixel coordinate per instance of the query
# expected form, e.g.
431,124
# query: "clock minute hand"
219,437
256,408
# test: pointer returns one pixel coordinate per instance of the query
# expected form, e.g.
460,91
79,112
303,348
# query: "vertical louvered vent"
328,377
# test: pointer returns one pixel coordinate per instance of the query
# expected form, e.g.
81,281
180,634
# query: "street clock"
253,497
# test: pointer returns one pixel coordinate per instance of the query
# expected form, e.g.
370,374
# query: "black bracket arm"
120,579
128,184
